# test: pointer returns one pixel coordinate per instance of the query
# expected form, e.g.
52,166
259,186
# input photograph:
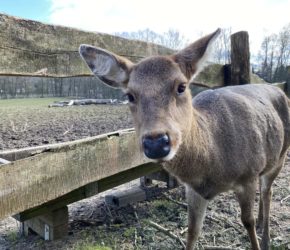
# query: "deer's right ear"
112,69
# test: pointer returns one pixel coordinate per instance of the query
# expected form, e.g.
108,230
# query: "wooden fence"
44,179
37,183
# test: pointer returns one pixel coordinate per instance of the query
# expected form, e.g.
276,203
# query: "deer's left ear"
191,58
110,68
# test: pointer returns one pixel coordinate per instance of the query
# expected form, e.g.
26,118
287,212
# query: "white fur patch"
170,156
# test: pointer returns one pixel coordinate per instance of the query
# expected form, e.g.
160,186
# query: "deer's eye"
181,88
130,97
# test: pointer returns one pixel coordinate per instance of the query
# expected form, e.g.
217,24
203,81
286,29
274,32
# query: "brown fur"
224,139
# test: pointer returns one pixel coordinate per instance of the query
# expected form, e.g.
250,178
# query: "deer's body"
244,130
224,139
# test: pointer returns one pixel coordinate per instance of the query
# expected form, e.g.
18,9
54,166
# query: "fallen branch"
167,232
183,231
183,204
182,241
215,219
282,187
84,102
67,131
225,220
284,199
135,238
139,226
3,161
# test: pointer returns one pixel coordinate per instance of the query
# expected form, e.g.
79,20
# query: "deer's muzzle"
157,146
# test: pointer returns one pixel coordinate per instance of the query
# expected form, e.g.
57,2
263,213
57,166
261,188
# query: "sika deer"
223,139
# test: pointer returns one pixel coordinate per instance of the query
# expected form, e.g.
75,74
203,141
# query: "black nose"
156,147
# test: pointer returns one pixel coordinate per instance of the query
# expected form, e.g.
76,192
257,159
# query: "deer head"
158,92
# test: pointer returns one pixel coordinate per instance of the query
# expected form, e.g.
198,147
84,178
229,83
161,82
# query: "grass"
88,240
90,246
12,236
28,102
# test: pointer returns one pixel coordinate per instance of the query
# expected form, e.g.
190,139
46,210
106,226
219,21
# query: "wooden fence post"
287,84
240,58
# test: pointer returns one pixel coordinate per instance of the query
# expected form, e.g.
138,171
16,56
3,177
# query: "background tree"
222,48
172,38
283,54
267,57
274,56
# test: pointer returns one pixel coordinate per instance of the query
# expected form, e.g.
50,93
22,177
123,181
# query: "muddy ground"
31,123
95,225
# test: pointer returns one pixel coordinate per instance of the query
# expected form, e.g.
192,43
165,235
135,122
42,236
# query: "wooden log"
3,161
50,226
83,102
125,197
35,180
240,58
92,101
90,190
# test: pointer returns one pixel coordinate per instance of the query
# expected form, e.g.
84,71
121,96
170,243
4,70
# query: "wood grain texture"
240,58
32,181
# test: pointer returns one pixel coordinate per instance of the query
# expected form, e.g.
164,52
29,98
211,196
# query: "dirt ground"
31,123
95,225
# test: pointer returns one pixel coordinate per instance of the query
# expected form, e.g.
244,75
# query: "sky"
191,18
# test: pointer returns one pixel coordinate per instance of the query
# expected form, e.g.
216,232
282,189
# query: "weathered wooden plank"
50,226
90,190
17,154
32,181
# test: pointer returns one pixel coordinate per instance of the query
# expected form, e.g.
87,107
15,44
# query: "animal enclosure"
53,176
223,214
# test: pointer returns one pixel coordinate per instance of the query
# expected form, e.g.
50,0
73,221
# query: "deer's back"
248,128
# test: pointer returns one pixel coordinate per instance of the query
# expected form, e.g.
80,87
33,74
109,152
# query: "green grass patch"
28,102
90,242
90,246
12,236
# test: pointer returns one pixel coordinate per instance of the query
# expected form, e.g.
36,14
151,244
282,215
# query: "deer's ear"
192,58
112,69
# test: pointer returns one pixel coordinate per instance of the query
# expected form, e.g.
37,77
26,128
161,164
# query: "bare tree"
284,46
267,56
222,48
283,54
171,38
274,56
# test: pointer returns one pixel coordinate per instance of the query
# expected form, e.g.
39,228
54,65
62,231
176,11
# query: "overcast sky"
191,17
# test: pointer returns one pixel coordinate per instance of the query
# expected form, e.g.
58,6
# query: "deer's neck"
194,151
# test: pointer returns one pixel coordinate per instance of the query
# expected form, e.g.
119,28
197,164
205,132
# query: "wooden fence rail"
68,171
